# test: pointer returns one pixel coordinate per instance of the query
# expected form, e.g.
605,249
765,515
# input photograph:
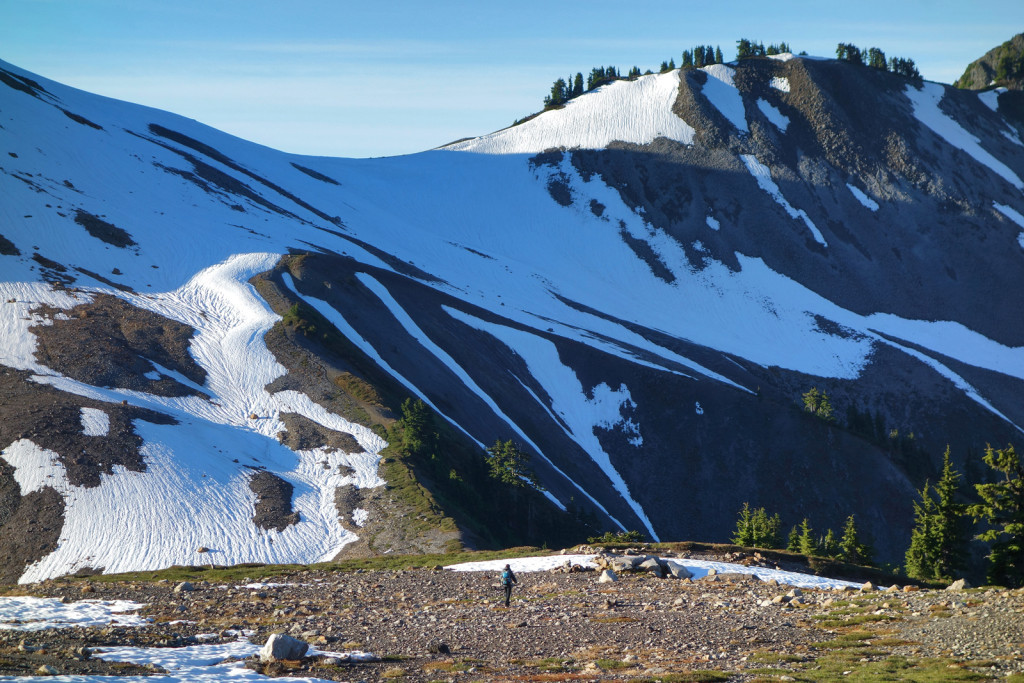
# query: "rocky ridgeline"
430,624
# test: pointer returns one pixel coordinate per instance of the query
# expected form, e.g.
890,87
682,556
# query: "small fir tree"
829,546
1002,507
510,465
851,549
793,540
755,529
808,545
818,403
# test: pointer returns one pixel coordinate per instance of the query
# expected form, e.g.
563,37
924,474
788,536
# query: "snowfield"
627,111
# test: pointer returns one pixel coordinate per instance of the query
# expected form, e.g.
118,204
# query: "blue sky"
338,78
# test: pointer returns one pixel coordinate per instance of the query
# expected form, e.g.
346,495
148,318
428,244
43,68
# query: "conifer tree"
829,545
808,546
1002,507
876,59
577,85
744,528
793,540
718,55
938,541
743,49
851,549
755,529
509,464
687,58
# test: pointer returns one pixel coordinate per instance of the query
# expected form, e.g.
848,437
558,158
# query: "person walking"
508,578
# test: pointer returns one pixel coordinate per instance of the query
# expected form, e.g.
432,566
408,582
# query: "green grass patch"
773,657
846,640
611,664
829,621
710,676
833,668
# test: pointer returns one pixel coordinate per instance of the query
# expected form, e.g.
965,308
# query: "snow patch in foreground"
698,568
37,614
628,111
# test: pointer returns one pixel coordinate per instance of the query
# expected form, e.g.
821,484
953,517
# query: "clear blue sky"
356,79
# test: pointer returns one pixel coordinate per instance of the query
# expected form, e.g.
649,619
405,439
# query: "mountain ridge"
642,318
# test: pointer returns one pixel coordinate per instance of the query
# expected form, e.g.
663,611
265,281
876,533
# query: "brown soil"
109,343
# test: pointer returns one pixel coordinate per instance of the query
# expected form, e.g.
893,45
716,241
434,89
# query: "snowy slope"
206,211
636,112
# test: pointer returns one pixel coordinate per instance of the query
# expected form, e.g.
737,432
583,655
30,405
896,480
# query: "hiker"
507,579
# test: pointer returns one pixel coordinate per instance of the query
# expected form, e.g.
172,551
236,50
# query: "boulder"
868,587
626,563
652,566
608,576
958,585
184,587
282,646
677,571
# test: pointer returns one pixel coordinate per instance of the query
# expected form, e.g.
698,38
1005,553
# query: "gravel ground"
429,625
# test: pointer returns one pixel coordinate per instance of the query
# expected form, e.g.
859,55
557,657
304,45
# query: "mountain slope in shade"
637,288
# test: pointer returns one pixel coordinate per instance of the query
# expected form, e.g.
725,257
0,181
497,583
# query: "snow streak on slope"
628,111
926,108
863,198
721,92
578,412
763,176
1014,216
773,114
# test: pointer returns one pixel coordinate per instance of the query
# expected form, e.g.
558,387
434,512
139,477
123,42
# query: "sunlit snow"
772,113
698,568
38,614
926,108
95,422
723,94
780,83
628,111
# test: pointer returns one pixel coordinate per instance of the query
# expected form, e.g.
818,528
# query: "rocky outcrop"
1002,65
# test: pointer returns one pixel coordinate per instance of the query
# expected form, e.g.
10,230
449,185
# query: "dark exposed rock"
273,501
104,230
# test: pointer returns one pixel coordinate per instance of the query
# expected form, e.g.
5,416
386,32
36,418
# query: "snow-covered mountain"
638,288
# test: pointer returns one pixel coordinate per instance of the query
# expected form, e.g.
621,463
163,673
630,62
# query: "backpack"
506,577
